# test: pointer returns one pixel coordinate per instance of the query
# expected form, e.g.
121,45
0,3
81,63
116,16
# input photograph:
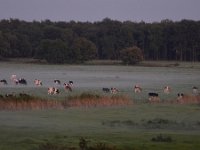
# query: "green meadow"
139,126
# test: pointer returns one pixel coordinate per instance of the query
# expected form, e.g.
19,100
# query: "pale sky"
96,10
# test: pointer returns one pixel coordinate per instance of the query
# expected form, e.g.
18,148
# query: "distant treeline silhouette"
75,42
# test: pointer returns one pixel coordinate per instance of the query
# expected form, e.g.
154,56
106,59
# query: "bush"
131,55
161,138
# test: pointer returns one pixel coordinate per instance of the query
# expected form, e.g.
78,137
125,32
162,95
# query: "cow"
153,97
53,91
13,77
68,86
56,81
15,80
180,96
22,81
18,81
106,90
38,82
153,94
10,95
194,90
114,90
137,89
167,90
71,83
3,81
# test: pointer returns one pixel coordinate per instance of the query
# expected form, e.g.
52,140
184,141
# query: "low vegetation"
161,138
28,102
83,144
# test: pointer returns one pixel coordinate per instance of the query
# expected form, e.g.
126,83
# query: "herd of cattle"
69,86
51,90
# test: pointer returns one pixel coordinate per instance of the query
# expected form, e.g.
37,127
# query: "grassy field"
140,126
128,127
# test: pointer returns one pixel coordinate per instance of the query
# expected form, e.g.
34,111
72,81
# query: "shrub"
131,55
161,138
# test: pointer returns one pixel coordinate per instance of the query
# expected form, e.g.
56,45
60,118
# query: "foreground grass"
122,127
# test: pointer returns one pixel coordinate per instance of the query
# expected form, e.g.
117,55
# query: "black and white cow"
3,82
106,90
71,83
114,90
53,91
180,96
153,97
22,81
68,86
16,81
57,82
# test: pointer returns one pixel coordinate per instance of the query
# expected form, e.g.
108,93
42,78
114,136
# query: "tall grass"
27,102
90,100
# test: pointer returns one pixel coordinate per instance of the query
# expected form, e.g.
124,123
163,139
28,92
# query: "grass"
125,127
27,102
134,127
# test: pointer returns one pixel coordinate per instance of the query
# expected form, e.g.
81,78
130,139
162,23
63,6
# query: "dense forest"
72,42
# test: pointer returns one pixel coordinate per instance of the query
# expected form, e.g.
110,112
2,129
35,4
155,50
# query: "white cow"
194,90
137,89
167,89
38,82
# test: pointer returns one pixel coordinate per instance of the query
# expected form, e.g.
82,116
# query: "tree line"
75,42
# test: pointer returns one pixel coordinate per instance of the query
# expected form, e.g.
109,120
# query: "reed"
27,102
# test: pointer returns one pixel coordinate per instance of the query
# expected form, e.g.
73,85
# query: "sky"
97,10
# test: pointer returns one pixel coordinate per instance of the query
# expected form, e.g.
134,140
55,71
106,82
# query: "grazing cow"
180,96
153,98
114,90
167,89
68,86
18,81
71,83
194,90
38,82
137,89
106,90
4,82
22,81
53,90
10,95
56,81
13,77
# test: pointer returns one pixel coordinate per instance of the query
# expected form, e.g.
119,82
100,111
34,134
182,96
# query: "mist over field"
137,124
